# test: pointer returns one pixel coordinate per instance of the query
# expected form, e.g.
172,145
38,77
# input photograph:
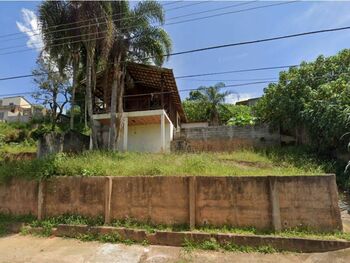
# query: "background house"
249,102
18,109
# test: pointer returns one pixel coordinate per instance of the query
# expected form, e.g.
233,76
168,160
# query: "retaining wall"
263,202
224,138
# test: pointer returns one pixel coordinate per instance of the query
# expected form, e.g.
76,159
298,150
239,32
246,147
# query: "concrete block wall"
225,138
263,202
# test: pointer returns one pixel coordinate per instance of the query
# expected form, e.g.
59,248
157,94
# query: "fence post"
275,203
192,201
41,199
108,197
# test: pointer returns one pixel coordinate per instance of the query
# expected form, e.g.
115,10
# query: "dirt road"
30,249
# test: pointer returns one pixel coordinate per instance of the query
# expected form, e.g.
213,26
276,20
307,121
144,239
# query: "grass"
48,224
212,244
6,219
282,161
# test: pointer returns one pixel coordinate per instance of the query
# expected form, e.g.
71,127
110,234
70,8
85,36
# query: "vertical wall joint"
108,197
275,203
192,186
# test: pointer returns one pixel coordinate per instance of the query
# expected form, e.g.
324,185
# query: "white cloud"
30,27
324,14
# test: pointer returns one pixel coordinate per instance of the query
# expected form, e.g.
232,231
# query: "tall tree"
96,38
314,96
53,88
61,35
135,39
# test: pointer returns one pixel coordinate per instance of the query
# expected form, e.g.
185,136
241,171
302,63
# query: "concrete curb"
165,238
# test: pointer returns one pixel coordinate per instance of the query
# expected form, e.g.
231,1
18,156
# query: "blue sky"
267,22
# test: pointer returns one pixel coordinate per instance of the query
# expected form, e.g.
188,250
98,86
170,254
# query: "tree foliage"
91,36
315,96
201,104
204,103
53,88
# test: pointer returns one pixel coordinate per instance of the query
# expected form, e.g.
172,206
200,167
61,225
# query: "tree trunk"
74,87
89,77
121,82
54,110
113,109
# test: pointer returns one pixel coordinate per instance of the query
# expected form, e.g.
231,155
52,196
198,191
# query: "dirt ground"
30,249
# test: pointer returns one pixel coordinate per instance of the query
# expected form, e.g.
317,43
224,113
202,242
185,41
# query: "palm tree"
61,43
135,39
96,39
211,98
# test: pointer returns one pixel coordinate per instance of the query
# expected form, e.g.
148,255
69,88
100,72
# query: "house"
249,102
18,109
152,109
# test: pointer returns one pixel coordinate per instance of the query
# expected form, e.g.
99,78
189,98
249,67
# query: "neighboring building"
249,102
18,109
152,109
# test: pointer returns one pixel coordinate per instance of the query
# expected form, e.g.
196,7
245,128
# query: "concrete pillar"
192,201
275,203
108,197
125,139
41,201
162,132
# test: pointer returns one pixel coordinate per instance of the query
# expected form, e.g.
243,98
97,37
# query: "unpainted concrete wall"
224,138
263,202
162,200
19,197
74,195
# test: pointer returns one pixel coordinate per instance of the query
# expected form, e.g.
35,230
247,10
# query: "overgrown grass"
212,244
98,163
6,219
48,224
148,227
298,232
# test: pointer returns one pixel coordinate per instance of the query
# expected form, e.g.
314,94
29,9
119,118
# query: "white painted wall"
18,101
16,115
146,138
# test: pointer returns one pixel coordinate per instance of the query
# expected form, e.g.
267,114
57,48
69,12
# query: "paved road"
30,249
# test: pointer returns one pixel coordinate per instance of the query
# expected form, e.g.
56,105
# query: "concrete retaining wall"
270,202
224,138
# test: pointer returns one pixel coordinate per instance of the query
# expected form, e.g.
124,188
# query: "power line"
233,71
178,77
87,20
244,43
166,24
87,25
184,90
185,6
212,10
260,40
115,20
223,80
173,2
231,12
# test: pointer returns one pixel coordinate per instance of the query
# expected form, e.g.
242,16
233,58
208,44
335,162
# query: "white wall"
146,138
17,101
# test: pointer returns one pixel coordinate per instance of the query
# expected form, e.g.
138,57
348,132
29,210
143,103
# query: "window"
1,115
